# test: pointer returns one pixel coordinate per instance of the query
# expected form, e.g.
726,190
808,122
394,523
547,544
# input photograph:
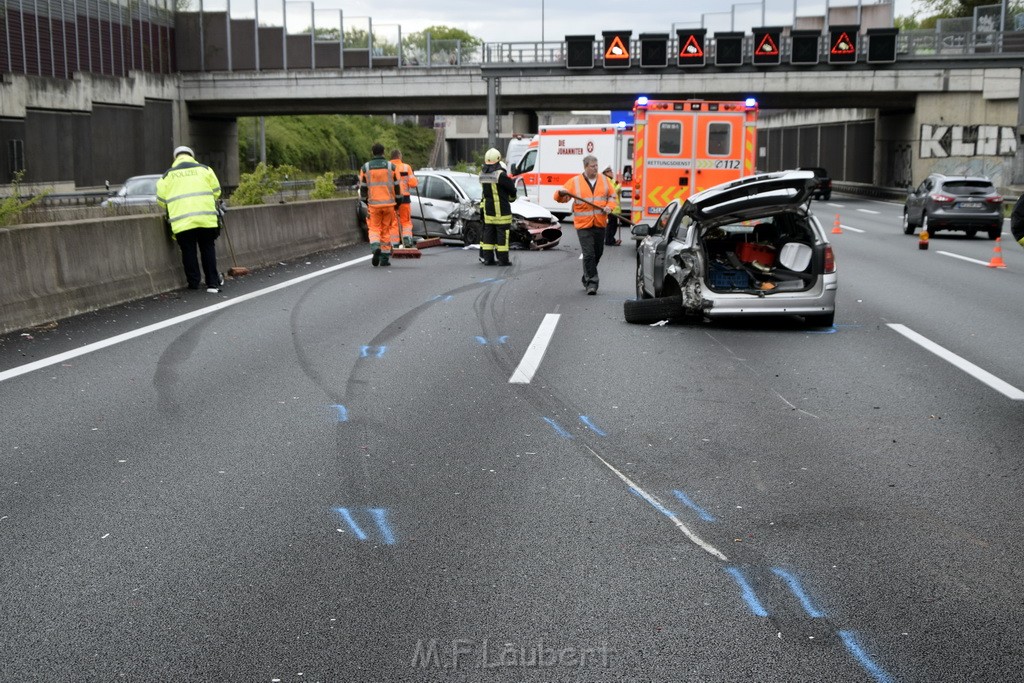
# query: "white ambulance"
556,154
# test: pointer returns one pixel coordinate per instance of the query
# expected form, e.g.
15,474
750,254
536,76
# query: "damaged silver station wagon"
750,247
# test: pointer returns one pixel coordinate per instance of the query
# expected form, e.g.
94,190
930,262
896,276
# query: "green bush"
11,207
254,188
323,187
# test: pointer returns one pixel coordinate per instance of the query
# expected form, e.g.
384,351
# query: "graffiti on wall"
943,142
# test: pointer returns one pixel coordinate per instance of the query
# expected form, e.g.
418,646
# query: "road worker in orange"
406,180
595,198
379,188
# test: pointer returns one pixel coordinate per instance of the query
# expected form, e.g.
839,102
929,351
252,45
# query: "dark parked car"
748,247
822,182
945,202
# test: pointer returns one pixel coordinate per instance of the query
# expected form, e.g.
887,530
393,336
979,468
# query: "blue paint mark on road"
794,586
876,671
748,593
594,428
489,279
653,503
342,413
367,351
827,330
481,340
344,514
701,512
380,516
441,297
503,339
558,428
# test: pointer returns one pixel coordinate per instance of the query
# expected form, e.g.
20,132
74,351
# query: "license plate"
970,205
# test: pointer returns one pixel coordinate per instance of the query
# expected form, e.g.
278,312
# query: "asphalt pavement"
325,474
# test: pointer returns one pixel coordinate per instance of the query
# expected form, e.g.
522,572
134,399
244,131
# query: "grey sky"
520,21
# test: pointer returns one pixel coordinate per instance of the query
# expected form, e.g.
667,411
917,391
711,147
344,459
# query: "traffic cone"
997,257
836,228
922,240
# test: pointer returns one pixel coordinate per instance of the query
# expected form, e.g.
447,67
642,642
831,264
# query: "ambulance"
556,154
684,146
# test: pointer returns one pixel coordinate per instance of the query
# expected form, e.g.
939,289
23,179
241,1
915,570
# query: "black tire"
827,196
823,320
908,227
994,233
470,233
649,311
971,234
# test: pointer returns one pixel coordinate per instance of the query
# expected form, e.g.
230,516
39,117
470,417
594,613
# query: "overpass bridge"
943,102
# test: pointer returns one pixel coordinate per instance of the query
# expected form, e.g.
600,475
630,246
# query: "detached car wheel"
649,311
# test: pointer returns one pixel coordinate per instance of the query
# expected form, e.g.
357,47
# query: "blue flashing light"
642,101
750,102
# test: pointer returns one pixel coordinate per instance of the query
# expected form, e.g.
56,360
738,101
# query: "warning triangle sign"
843,45
616,50
767,46
691,49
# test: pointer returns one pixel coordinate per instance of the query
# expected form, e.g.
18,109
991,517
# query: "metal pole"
542,23
202,40
492,108
341,39
256,35
284,34
369,42
227,37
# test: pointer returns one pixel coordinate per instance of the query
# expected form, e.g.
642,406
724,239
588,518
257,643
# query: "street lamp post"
705,14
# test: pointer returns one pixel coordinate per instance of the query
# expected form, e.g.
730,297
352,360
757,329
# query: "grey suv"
944,202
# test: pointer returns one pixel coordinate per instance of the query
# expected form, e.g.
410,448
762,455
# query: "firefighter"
594,199
406,180
499,191
188,192
379,188
611,237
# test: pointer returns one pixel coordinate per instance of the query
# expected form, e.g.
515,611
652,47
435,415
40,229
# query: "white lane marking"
535,352
838,206
963,258
847,227
869,211
702,544
104,343
970,368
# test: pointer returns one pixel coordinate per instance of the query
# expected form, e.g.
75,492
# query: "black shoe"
385,260
591,289
503,259
195,286
375,261
487,263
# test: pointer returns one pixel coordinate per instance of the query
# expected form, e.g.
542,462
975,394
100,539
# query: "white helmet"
492,156
183,150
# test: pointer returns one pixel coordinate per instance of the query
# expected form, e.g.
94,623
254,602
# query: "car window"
528,161
137,186
968,187
470,184
438,188
670,137
719,137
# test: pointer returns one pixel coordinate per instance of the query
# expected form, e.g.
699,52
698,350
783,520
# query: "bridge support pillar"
493,109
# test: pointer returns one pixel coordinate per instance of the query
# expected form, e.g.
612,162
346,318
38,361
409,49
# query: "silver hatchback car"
750,247
945,202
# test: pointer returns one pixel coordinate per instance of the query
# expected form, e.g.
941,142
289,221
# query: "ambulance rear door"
667,160
720,148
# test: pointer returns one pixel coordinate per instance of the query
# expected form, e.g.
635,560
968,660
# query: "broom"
426,242
403,252
235,270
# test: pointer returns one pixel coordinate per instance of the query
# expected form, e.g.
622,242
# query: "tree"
447,45
359,39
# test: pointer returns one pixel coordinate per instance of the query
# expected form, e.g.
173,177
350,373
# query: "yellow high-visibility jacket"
188,192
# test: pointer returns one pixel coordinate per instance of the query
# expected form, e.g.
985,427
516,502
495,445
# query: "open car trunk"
770,255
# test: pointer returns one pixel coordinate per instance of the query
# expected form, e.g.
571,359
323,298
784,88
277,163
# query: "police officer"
188,192
499,191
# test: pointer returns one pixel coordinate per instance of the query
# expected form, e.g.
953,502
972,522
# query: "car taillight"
994,200
830,260
943,198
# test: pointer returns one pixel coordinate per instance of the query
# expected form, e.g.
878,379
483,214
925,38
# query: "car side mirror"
641,230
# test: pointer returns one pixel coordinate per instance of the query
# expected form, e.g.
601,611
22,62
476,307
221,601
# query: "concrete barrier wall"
56,270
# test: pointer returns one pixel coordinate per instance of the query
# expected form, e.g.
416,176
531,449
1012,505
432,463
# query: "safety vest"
406,179
188,192
583,214
616,190
495,204
378,182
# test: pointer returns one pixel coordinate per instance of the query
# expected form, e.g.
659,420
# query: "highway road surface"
447,472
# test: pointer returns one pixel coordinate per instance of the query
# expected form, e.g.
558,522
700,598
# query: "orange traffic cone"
922,240
836,229
997,257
